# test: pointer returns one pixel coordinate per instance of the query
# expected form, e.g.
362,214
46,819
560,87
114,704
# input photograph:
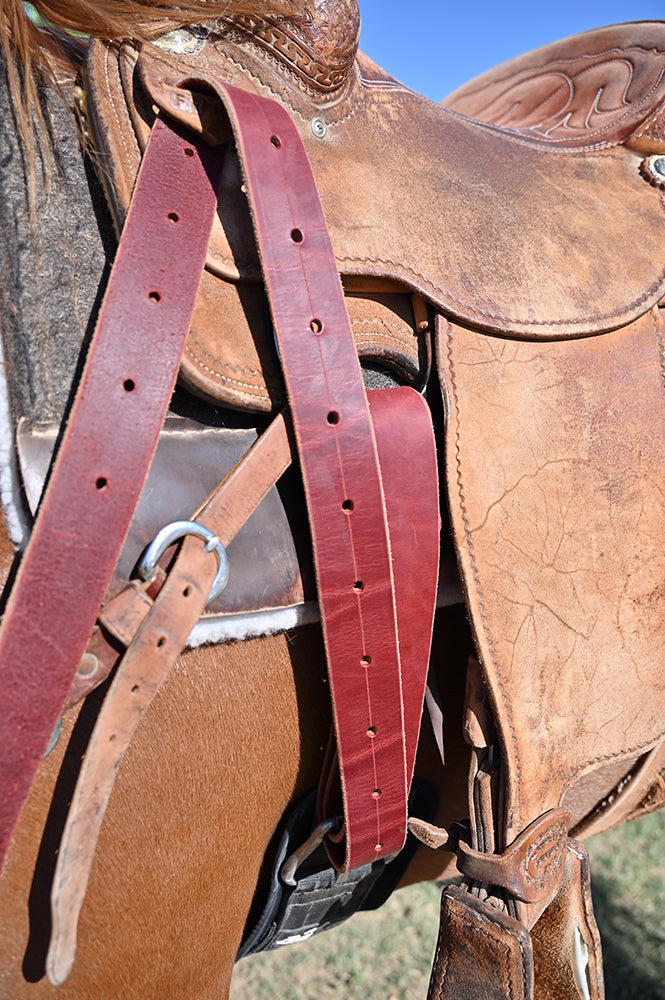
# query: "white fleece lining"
226,628
11,496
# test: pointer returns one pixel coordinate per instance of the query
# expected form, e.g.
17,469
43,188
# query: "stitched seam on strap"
137,152
513,787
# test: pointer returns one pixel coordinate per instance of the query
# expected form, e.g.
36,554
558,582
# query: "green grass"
387,955
628,875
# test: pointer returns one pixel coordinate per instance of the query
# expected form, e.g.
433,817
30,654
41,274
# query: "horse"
237,732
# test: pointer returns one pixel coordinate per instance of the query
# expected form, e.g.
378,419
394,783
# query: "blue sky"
438,46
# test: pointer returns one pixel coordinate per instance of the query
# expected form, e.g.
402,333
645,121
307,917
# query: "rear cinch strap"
482,954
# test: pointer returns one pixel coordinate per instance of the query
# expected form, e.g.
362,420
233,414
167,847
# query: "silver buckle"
173,532
292,864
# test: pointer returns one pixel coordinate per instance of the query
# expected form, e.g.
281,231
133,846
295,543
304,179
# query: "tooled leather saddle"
520,231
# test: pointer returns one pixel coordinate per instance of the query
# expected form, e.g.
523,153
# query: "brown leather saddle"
520,231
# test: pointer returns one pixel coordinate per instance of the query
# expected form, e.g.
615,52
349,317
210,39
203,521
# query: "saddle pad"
517,238
189,462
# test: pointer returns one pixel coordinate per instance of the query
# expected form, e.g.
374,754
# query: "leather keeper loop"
531,868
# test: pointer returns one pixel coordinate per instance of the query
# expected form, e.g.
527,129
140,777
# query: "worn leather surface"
268,557
518,238
557,476
544,260
482,954
155,633
566,943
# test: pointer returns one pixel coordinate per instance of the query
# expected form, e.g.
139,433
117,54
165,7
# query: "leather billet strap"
339,463
155,633
106,451
340,469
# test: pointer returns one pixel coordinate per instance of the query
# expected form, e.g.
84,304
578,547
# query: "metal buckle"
174,532
292,864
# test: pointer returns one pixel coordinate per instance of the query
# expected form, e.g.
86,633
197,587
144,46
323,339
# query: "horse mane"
53,51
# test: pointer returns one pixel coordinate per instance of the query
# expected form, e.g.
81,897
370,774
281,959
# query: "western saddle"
512,239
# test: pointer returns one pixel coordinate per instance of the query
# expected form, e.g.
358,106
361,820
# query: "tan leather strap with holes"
155,633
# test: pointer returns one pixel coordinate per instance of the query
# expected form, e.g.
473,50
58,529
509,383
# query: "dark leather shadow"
39,905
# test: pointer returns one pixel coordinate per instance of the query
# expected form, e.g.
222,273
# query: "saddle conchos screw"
319,128
653,170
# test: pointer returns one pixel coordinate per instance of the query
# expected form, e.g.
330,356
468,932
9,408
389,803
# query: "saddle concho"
537,244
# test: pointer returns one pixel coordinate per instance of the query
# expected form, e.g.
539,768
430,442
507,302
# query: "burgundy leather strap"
105,454
407,457
340,471
155,634
339,464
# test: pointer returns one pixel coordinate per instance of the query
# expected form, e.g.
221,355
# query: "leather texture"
341,476
155,633
104,456
508,271
566,943
534,499
483,953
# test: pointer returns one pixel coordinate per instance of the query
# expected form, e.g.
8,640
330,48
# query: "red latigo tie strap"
106,451
342,478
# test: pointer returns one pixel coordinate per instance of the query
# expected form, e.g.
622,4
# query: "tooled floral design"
301,51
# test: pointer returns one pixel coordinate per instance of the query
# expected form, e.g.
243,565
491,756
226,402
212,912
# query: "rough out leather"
482,952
